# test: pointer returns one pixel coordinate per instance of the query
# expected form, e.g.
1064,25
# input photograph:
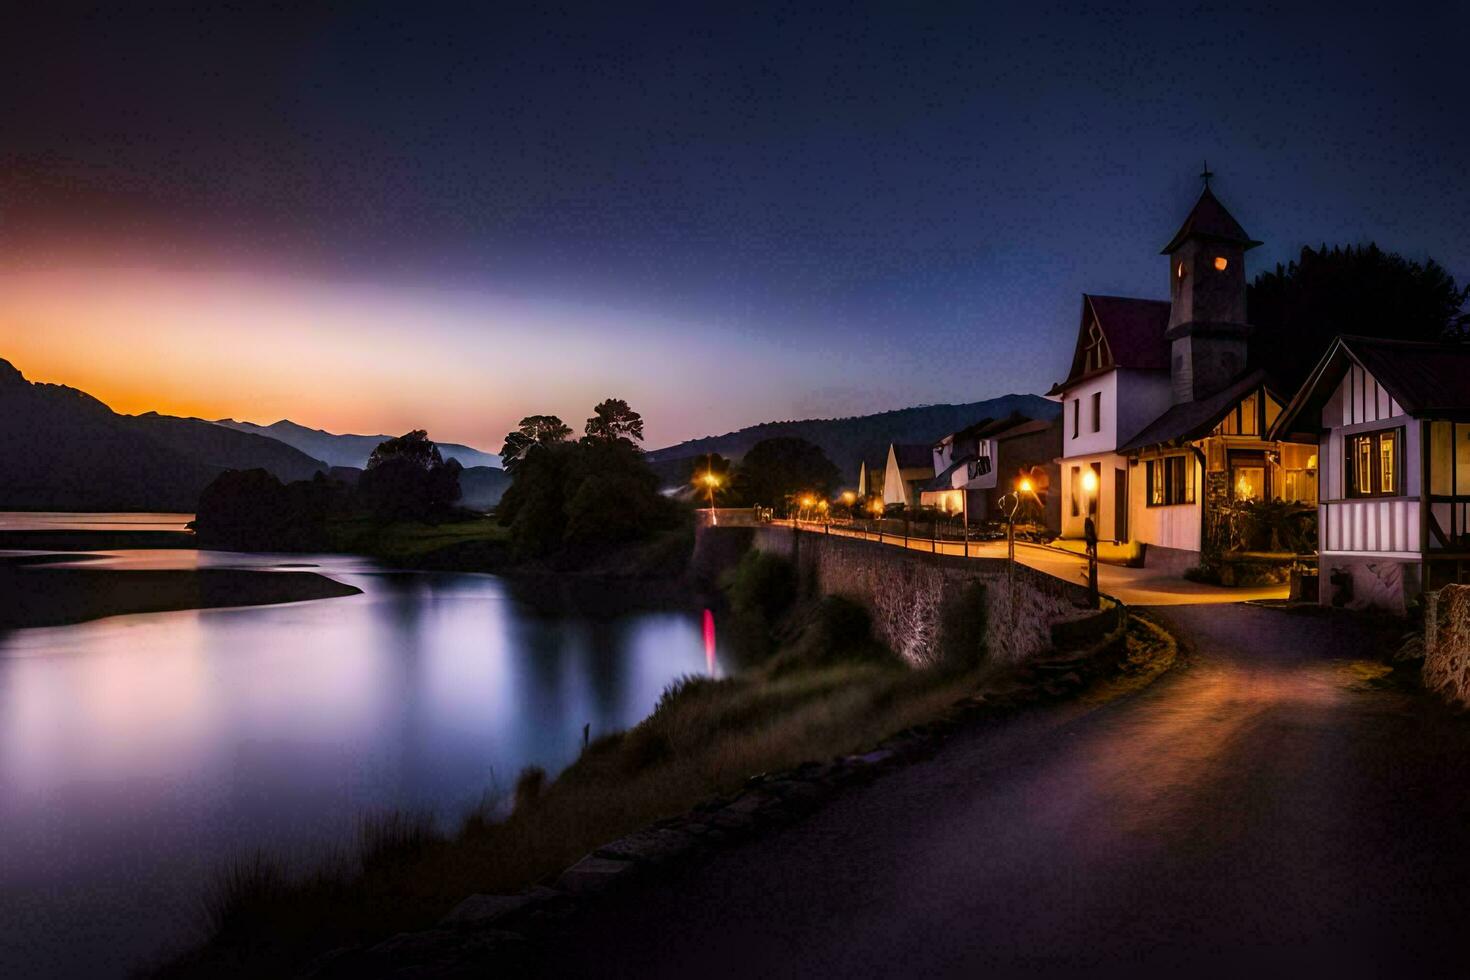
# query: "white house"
1191,419
1118,383
1390,421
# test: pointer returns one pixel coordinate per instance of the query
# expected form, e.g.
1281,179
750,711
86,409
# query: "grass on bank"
706,737
824,687
407,541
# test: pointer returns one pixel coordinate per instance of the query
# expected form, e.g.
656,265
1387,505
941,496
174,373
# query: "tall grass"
705,737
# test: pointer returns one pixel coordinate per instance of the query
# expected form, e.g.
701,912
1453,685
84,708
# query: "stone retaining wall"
904,590
1447,642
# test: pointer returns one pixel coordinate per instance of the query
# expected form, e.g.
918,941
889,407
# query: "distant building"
870,477
982,462
1389,422
908,466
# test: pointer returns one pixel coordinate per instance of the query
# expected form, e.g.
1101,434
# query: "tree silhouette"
614,421
407,478
776,469
1297,309
535,430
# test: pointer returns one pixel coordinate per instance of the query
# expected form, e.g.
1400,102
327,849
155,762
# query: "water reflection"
138,752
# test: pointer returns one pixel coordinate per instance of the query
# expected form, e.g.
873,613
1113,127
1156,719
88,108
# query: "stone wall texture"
1447,642
904,590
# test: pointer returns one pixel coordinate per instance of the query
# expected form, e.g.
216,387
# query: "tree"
1297,309
407,478
614,421
776,469
534,430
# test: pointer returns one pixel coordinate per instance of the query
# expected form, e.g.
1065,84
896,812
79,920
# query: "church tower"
1207,328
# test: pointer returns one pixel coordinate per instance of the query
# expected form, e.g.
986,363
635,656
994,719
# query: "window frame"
1097,411
1076,416
1173,485
1375,437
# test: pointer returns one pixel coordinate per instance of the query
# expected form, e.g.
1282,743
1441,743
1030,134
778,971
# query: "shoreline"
39,594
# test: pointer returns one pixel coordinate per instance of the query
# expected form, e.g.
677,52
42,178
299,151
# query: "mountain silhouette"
65,450
346,449
848,441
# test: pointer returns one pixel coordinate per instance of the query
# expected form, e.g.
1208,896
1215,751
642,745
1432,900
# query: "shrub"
762,584
529,786
964,620
839,630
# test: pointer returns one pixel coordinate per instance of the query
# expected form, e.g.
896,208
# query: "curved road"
1262,806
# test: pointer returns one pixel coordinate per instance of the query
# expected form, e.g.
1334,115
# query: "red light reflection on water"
709,642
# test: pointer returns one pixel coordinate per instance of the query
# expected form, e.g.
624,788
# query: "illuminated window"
1221,262
1244,419
1248,483
1180,271
1373,463
1170,481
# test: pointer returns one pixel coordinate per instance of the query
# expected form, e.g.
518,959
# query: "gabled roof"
1133,330
1027,427
1209,219
1193,420
913,456
1427,379
970,431
942,481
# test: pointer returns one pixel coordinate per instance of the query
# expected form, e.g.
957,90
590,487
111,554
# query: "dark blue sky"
898,207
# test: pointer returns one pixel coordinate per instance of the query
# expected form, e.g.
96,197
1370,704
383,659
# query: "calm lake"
139,753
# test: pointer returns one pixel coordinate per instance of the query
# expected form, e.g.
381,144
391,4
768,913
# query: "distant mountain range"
62,449
349,450
848,441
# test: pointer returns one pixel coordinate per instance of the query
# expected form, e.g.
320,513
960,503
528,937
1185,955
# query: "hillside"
65,450
850,440
347,449
226,449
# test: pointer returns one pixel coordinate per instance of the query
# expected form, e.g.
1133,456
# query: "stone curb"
499,926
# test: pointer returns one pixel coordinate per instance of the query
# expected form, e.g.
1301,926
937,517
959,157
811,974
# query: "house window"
1076,417
1076,491
1097,411
1374,463
1248,483
1170,481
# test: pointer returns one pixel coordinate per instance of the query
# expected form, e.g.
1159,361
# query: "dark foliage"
963,617
777,469
252,510
534,430
613,421
407,479
839,630
1299,308
584,495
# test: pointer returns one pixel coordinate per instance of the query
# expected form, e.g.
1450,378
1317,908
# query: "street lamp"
1089,532
711,481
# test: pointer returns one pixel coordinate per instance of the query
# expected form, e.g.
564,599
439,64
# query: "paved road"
1260,807
1135,586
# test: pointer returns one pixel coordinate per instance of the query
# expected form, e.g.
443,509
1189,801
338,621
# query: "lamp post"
1089,533
710,482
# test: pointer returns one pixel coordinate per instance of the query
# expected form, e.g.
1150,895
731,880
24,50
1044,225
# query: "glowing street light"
711,480
1089,490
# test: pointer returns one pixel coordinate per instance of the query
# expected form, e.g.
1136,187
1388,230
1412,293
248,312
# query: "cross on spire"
1206,175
